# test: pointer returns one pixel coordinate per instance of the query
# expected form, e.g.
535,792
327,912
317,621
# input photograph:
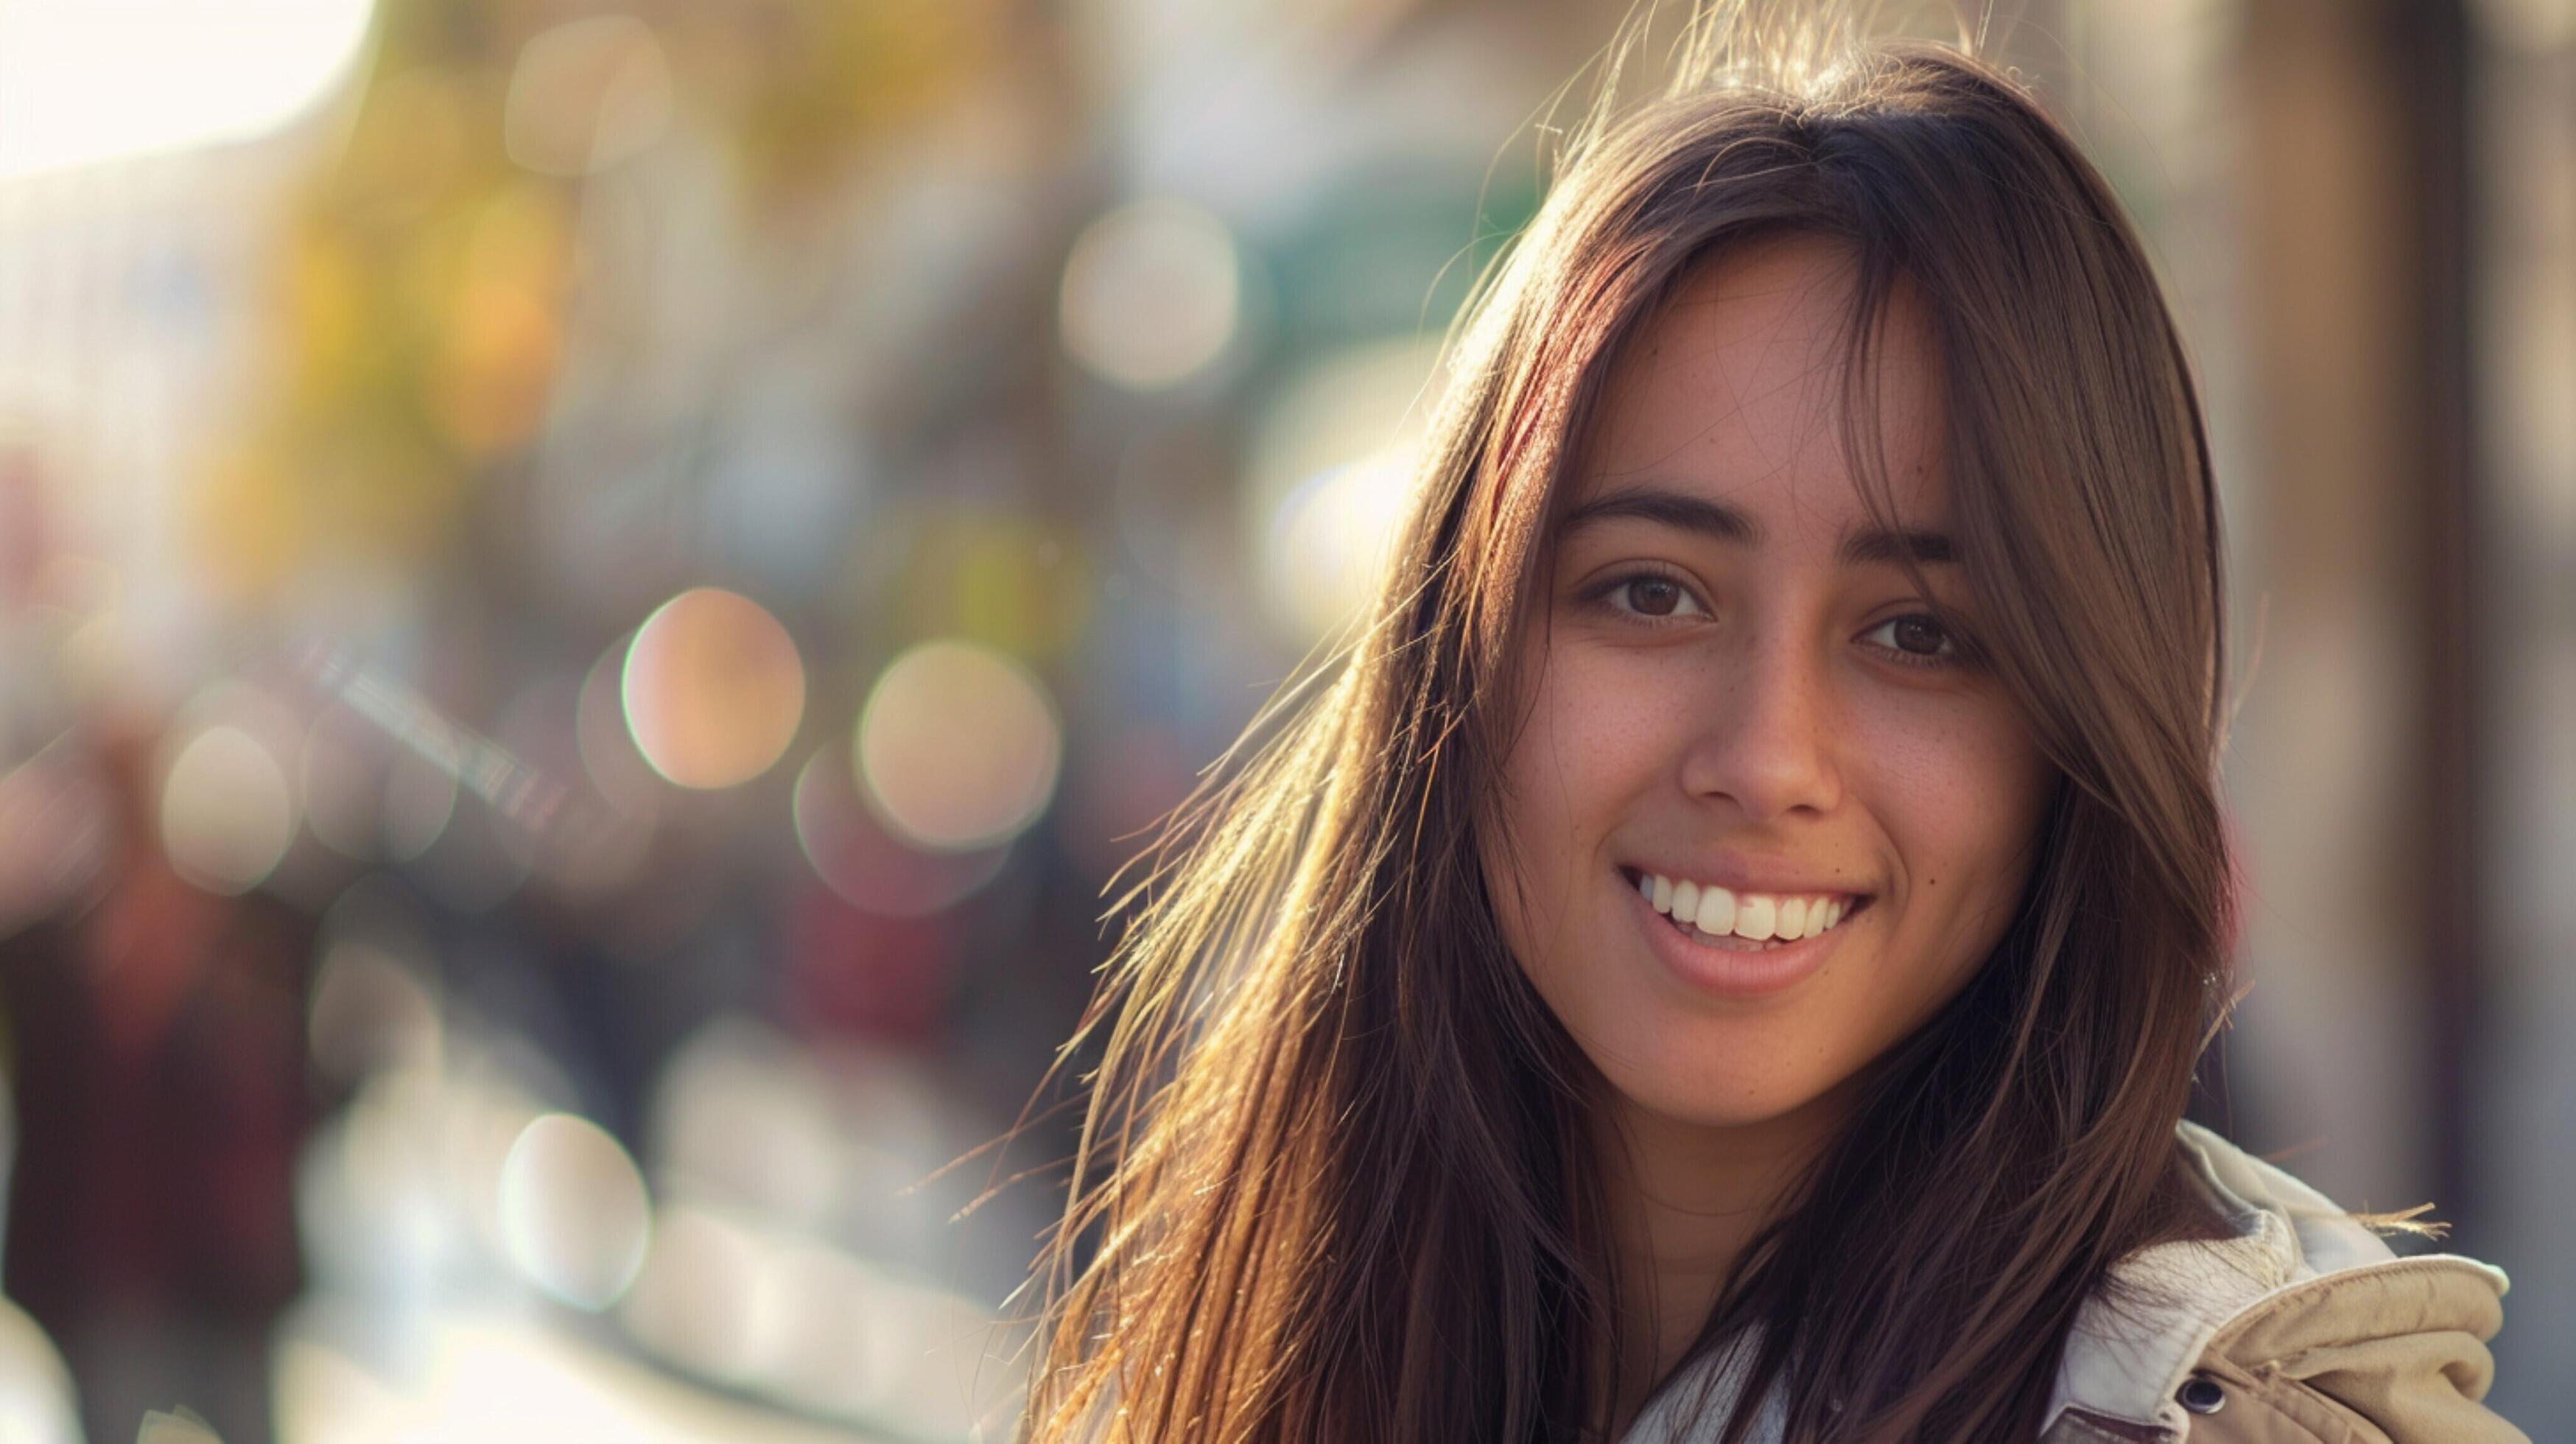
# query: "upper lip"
1737,875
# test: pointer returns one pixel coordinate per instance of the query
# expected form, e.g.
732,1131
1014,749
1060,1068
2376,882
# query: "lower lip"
1745,971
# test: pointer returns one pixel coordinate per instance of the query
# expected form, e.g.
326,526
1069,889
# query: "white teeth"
1716,911
1754,917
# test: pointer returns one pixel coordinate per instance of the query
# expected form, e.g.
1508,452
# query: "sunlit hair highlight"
1337,1177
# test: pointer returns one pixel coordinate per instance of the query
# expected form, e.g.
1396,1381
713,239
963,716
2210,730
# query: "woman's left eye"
1649,596
1917,640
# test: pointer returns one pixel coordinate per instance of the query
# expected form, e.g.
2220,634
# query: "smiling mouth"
1715,916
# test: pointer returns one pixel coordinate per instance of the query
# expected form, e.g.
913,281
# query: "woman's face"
1737,690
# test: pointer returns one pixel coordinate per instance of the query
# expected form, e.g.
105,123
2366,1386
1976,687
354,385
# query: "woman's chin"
1731,1100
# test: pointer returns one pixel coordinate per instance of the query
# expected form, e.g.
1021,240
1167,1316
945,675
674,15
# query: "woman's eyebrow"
1862,546
1881,546
1666,508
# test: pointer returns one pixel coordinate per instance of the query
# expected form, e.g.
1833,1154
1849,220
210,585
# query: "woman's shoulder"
2296,1322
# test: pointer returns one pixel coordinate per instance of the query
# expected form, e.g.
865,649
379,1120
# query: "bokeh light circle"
574,1215
1329,480
371,1012
865,865
713,690
708,1298
1329,542
618,773
367,794
958,747
227,811
586,95
1152,293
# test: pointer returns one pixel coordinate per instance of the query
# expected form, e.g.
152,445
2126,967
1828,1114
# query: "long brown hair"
1336,1180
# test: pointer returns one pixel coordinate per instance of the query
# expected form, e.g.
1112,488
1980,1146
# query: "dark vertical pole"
2359,188
2429,41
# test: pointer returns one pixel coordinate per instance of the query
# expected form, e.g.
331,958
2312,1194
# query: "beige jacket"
2301,1328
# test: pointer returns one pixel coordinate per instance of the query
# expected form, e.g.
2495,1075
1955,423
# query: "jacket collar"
2133,1344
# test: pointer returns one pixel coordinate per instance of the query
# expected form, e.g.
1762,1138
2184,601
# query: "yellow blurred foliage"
1001,578
501,341
411,148
805,79
424,276
328,302
248,527
489,391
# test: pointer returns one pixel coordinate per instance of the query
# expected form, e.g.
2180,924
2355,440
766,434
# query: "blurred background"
589,596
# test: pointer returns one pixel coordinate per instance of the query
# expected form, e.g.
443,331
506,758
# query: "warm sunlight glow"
91,80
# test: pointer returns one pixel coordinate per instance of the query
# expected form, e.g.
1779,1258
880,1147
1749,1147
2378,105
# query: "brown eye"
1920,635
1648,596
1655,596
1917,641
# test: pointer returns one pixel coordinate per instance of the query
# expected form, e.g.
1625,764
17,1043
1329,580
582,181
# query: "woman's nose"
1766,741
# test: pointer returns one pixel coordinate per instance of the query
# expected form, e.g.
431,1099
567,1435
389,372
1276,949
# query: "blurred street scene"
590,596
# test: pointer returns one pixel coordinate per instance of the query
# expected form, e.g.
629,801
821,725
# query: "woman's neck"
1685,1201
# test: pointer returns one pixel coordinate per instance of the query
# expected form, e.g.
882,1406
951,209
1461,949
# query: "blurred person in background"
1726,954
156,1059
158,1066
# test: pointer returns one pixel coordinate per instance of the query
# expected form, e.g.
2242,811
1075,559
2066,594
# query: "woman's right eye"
1649,596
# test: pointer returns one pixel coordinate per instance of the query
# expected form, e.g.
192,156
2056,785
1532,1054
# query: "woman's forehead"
1740,387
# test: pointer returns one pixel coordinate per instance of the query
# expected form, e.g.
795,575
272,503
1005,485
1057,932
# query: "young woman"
1724,954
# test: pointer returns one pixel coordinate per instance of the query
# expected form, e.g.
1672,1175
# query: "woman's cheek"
1587,758
1625,716
1960,794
